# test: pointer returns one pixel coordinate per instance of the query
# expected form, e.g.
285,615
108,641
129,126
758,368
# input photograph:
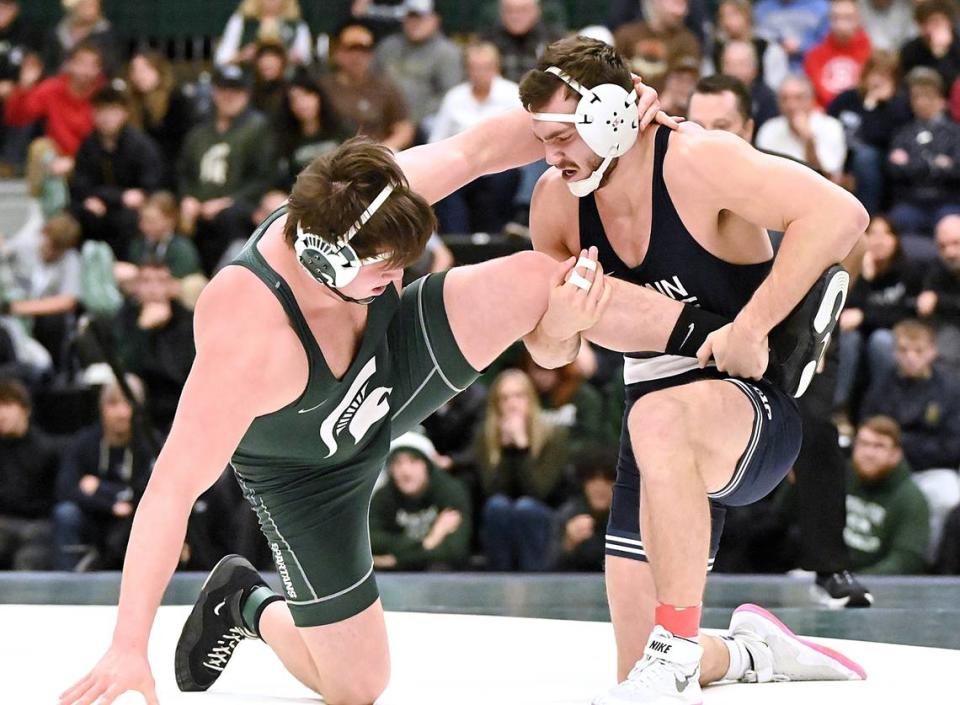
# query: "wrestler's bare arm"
821,222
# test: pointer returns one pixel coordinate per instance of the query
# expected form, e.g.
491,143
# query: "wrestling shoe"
777,654
215,626
668,674
841,589
798,343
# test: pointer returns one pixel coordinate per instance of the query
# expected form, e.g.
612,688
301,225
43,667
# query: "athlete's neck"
629,185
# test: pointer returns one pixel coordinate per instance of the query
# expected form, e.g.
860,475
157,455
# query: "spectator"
582,521
270,84
937,46
312,128
679,85
421,61
154,336
722,102
102,478
227,163
804,133
264,22
522,460
521,36
796,25
568,401
28,472
372,105
883,296
924,160
484,205
62,101
623,11
735,24
159,107
51,295
948,553
939,302
739,59
922,398
835,64
420,519
84,23
18,40
887,516
871,114
116,168
888,22
159,241
451,427
436,257
649,46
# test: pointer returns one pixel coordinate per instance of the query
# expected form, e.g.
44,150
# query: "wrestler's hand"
737,351
648,103
578,297
119,670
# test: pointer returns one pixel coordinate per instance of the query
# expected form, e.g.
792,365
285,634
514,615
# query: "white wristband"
579,281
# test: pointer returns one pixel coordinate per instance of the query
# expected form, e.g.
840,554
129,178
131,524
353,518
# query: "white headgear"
607,119
337,264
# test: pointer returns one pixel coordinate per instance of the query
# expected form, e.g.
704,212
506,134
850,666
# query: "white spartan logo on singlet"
358,411
213,164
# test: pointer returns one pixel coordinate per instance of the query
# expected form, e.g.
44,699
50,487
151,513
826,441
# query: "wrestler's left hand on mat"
737,351
578,297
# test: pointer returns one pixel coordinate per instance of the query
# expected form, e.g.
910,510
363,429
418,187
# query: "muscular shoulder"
708,157
553,211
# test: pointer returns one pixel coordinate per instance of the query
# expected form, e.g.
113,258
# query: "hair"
272,47
14,392
746,9
165,202
721,83
880,60
898,250
332,192
569,380
152,107
251,10
113,387
884,426
477,45
63,231
588,61
331,124
87,45
797,78
928,8
107,96
595,461
912,328
925,77
154,262
537,427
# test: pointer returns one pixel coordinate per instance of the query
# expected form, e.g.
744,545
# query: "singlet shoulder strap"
251,259
661,141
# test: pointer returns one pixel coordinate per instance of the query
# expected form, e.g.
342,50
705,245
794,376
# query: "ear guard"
336,264
607,119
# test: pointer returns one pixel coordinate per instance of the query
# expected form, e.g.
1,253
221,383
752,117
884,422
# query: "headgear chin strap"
336,264
607,119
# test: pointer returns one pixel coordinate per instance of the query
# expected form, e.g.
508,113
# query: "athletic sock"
740,659
253,605
679,621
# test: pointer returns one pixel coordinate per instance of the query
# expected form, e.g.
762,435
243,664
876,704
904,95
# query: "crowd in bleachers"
145,177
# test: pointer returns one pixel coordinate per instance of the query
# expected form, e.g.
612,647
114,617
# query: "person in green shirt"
420,519
888,520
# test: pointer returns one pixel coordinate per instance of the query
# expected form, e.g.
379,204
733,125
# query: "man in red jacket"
63,100
835,64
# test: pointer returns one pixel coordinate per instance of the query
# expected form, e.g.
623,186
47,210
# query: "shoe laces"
226,644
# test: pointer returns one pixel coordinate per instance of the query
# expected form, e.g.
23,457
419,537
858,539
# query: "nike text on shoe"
798,343
780,655
215,626
668,674
841,589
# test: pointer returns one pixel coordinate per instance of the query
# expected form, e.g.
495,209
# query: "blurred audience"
269,95
889,23
937,47
739,59
650,45
312,127
18,40
722,102
521,35
835,64
939,302
735,24
421,518
796,25
581,523
264,22
83,23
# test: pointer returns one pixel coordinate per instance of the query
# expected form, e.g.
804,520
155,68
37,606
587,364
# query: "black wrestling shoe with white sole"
842,589
797,345
215,626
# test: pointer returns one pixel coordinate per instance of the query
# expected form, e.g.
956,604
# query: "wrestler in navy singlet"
677,266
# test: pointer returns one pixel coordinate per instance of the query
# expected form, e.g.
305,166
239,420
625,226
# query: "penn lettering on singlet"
675,265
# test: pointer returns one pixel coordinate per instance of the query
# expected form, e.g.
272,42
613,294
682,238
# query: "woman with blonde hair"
522,460
265,22
158,106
